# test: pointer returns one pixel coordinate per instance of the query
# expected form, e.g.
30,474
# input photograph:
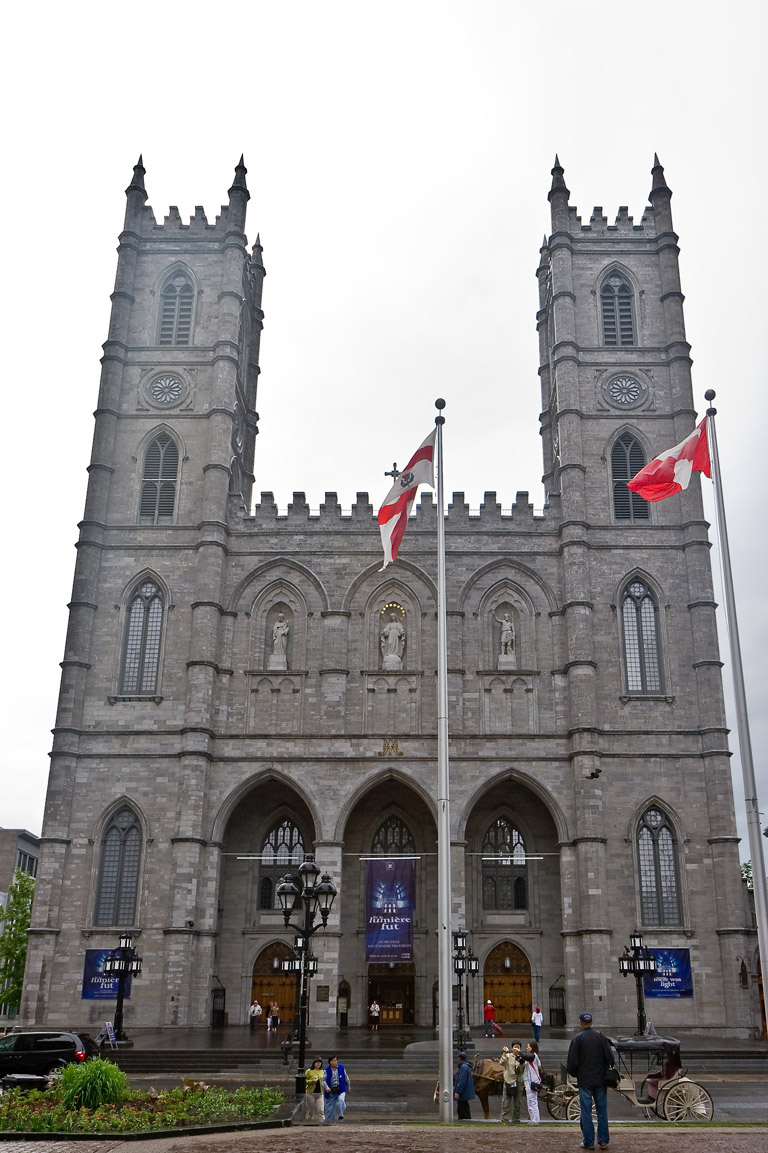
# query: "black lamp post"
122,963
638,961
464,961
317,898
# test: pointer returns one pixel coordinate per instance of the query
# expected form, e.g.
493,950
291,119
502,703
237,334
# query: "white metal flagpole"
444,980
742,718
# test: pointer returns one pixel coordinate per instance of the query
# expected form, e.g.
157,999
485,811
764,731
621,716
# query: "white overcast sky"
399,159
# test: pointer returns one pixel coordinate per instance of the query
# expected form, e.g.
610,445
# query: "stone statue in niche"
280,632
507,656
392,642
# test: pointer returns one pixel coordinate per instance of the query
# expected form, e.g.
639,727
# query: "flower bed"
136,1112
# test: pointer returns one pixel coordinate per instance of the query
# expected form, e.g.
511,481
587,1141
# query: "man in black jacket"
589,1055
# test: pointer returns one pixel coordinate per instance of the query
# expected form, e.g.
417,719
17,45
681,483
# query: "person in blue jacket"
464,1087
335,1086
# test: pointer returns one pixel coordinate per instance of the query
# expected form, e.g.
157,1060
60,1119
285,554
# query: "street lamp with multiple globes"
638,962
317,898
464,961
122,963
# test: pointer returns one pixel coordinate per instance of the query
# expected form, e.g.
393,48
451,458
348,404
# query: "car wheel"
54,1070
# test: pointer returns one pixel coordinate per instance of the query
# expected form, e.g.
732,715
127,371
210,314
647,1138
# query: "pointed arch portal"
507,982
269,983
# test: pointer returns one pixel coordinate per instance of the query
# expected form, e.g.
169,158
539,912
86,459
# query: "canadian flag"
393,514
671,472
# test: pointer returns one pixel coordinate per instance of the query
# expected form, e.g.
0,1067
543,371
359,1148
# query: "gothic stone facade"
226,698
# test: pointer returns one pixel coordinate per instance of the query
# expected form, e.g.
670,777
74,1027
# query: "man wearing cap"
488,1015
463,1087
512,1071
589,1055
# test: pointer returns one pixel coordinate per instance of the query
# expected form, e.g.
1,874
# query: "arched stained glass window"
158,485
176,303
627,458
143,634
119,876
281,853
657,857
393,838
617,307
505,872
639,613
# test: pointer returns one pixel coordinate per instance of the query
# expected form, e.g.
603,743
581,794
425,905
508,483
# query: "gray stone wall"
229,743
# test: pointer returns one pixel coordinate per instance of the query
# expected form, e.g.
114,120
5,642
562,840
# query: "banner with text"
97,986
389,910
673,977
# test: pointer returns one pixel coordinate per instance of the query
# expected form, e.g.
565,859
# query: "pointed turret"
558,197
238,184
239,197
137,180
558,181
657,174
136,196
660,196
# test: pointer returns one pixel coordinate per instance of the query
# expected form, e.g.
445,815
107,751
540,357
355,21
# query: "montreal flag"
393,514
671,471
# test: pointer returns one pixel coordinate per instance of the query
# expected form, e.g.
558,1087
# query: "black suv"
43,1052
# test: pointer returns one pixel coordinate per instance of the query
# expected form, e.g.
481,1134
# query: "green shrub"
91,1084
135,1112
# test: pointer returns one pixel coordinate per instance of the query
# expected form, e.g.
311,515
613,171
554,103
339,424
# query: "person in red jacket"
488,1015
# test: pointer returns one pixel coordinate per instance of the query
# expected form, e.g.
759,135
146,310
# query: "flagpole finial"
710,396
440,405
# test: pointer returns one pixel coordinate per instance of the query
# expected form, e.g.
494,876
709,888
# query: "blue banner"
673,977
389,910
97,986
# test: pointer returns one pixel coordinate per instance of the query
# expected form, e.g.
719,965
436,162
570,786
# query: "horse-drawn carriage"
665,1091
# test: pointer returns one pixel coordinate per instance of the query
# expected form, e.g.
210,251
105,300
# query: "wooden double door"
507,982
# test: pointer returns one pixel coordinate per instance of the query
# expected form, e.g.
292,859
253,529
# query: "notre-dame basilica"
233,695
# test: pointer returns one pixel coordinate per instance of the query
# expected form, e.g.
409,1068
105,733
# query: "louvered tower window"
119,878
158,486
176,303
141,657
627,458
657,857
639,613
618,312
505,879
281,853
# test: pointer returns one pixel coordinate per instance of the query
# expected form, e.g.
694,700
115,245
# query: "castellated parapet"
458,515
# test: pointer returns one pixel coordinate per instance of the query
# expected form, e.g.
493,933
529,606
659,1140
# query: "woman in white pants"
531,1078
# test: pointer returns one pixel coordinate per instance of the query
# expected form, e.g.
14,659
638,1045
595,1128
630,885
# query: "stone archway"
269,983
507,982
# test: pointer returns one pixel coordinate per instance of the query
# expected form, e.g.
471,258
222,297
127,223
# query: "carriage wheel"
557,1102
573,1111
687,1101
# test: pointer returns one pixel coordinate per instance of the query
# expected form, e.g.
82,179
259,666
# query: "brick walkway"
476,1137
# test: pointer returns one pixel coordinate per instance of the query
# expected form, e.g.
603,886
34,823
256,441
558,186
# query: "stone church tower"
240,687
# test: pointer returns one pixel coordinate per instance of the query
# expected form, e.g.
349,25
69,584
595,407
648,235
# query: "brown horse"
488,1077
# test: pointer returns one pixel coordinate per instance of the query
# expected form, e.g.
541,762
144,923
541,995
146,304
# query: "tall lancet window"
144,630
158,485
657,857
119,876
617,308
176,303
627,458
639,613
